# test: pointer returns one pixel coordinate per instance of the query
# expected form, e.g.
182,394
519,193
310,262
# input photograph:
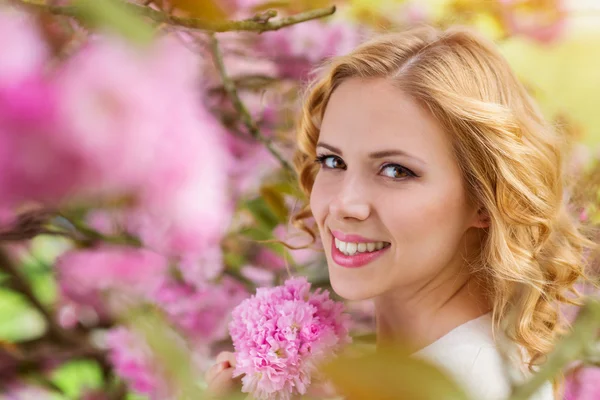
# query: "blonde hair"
510,158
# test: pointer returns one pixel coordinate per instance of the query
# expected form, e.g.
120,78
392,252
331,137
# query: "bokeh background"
143,192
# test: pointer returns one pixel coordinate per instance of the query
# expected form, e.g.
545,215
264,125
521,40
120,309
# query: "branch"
22,286
250,25
239,105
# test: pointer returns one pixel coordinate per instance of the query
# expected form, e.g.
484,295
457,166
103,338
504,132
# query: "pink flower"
84,275
280,335
299,47
118,121
24,52
134,362
201,312
35,162
583,384
544,22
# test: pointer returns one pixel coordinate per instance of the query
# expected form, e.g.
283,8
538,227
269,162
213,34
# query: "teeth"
349,248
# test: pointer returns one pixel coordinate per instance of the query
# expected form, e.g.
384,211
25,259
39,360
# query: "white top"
470,356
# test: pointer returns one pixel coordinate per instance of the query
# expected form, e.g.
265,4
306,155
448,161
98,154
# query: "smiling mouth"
353,248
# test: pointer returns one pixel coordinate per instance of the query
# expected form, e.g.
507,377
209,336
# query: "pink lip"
352,238
357,260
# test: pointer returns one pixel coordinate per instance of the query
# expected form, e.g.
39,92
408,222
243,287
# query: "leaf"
276,202
115,16
75,377
389,374
170,350
262,213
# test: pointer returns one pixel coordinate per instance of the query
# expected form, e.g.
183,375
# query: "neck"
420,317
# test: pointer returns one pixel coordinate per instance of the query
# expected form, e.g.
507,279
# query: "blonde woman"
436,187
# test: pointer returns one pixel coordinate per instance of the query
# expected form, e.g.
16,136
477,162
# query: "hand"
219,377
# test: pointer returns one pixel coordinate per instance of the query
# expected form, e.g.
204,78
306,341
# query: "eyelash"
320,159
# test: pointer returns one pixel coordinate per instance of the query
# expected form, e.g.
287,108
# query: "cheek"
430,214
320,198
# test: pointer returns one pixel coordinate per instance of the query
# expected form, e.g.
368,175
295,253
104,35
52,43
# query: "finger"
214,370
223,383
227,356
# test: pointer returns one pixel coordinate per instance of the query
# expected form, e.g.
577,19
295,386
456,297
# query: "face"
389,198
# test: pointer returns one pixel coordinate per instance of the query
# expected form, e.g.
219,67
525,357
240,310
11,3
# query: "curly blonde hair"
510,158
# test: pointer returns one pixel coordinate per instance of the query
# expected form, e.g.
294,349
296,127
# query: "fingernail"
225,364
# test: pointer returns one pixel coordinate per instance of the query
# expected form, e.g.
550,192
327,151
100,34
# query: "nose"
350,203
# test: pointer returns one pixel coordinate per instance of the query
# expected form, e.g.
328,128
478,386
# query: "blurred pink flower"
24,391
134,362
281,333
112,117
35,163
258,275
583,384
198,270
202,313
24,52
544,22
85,275
299,48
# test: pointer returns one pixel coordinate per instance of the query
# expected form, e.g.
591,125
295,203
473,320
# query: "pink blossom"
23,391
134,362
583,384
543,23
24,51
112,116
84,275
299,47
280,334
201,312
35,164
118,121
259,276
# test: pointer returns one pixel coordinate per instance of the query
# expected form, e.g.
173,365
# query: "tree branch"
250,25
231,90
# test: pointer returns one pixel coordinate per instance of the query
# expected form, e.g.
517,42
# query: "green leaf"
389,374
171,351
18,320
75,376
116,16
234,260
276,202
262,213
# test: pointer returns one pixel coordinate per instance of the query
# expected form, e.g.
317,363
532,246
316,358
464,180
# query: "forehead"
372,115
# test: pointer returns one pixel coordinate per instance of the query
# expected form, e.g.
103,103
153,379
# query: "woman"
436,187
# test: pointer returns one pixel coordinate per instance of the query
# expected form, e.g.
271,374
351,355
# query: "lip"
352,238
357,260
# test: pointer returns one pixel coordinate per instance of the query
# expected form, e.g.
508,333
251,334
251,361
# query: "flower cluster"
281,334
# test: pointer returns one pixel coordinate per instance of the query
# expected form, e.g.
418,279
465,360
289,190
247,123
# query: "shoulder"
470,356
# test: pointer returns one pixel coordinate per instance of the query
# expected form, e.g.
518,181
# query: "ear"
482,218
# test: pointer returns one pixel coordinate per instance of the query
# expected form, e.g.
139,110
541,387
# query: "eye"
396,171
329,161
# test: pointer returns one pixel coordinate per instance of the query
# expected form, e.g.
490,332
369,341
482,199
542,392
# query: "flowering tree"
145,181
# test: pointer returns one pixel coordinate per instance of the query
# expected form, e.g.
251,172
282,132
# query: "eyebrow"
374,155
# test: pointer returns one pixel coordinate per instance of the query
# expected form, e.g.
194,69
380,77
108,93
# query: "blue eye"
396,171
330,161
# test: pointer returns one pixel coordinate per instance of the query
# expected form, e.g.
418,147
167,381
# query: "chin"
351,290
